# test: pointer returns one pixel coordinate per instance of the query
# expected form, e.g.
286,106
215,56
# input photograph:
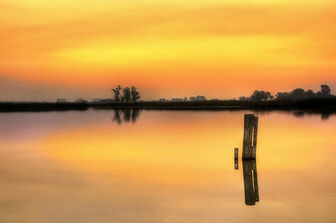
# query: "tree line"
126,94
296,94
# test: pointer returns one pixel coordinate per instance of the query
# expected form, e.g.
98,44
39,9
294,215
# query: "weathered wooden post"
255,134
236,153
250,136
236,158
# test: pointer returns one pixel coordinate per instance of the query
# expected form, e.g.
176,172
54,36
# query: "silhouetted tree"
127,94
282,95
301,94
269,95
298,93
310,93
117,93
243,98
135,95
325,90
261,96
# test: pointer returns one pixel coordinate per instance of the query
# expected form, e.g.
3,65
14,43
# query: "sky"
168,48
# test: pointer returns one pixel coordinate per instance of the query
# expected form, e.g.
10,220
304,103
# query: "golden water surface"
165,166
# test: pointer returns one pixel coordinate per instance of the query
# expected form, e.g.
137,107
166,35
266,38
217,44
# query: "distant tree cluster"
198,98
126,94
193,98
296,94
299,94
261,96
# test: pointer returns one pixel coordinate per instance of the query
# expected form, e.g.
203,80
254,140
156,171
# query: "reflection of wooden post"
250,182
255,181
250,136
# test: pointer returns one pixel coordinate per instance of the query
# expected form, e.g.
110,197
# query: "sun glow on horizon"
159,45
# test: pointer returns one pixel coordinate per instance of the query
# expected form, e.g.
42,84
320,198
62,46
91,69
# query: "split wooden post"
236,153
250,136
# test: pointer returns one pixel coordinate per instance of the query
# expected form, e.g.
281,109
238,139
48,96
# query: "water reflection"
236,164
59,163
250,182
126,115
325,114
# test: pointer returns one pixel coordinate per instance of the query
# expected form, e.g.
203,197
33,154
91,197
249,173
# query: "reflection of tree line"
126,115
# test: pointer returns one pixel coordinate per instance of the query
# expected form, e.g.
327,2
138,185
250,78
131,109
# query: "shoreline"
315,106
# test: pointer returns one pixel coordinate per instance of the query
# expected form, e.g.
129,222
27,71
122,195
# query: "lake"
165,166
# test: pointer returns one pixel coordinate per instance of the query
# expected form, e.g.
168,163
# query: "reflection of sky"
169,167
28,125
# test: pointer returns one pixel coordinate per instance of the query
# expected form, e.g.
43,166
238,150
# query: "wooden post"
236,159
250,136
236,153
255,134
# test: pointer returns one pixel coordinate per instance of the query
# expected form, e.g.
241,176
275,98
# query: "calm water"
163,166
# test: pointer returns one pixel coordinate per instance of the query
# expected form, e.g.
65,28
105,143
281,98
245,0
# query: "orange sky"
217,48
